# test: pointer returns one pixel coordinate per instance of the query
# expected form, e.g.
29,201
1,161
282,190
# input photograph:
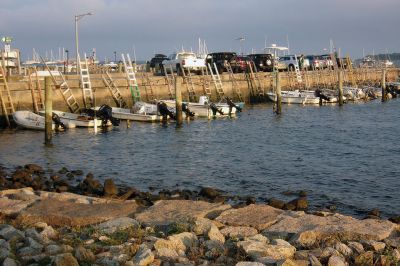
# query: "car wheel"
291,68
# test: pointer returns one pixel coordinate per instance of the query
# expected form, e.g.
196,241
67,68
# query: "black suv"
263,62
157,60
221,60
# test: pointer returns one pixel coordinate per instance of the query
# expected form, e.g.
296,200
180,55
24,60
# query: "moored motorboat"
30,120
79,120
128,114
295,97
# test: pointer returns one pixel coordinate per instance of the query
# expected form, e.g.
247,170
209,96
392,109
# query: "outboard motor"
215,109
232,104
164,111
105,114
187,111
322,96
57,121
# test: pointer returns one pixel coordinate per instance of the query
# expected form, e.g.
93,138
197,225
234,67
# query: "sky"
160,26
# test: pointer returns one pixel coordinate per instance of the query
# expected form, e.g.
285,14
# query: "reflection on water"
345,156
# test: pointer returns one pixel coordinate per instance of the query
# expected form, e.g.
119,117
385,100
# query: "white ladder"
170,79
206,82
5,96
235,85
189,84
86,85
65,90
115,92
297,70
131,77
254,77
35,91
217,81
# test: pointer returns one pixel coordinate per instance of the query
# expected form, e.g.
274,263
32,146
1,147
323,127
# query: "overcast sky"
165,26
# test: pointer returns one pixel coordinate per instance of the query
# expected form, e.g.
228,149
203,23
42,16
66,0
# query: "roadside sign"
7,39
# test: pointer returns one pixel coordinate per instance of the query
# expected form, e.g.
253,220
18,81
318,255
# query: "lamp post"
66,65
115,57
77,18
241,40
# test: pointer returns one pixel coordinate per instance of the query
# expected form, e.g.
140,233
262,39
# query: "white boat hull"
29,120
77,119
200,110
125,114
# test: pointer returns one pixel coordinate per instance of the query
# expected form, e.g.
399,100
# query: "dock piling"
178,102
278,94
340,78
384,94
48,111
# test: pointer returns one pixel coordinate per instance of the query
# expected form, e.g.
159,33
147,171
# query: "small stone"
9,232
238,231
114,225
393,242
110,189
279,204
84,255
201,226
4,253
30,242
9,262
259,238
143,257
395,219
396,254
215,234
249,263
286,262
58,249
336,261
4,244
375,212
373,245
357,247
314,261
65,260
34,168
366,258
166,253
343,249
328,252
32,233
209,192
299,204
104,239
49,233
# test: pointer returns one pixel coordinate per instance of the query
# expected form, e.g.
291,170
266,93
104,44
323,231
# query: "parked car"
157,60
314,62
240,64
221,60
327,61
263,62
185,61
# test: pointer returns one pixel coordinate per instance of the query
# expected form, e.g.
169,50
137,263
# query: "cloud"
163,26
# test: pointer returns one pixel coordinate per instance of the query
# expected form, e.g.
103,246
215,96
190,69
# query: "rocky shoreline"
55,219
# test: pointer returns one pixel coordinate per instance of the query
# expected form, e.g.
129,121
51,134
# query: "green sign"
7,39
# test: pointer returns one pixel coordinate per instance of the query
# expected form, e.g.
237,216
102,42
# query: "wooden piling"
384,94
340,78
278,94
178,102
48,110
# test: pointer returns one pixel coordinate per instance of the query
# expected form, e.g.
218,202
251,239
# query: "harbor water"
343,156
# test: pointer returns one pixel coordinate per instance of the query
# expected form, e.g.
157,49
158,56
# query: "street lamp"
77,18
241,40
115,56
66,64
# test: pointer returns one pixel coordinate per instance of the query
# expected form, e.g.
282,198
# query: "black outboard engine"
232,104
105,114
187,111
215,109
164,111
322,96
57,121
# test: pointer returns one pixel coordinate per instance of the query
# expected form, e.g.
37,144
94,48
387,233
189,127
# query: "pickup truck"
186,60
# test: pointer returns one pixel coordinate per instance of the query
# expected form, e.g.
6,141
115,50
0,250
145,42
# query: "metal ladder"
235,85
86,85
254,78
36,92
115,92
65,90
148,87
206,82
170,79
297,70
5,96
189,84
131,77
217,81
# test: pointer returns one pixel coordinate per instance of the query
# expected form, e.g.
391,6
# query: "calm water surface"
346,156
